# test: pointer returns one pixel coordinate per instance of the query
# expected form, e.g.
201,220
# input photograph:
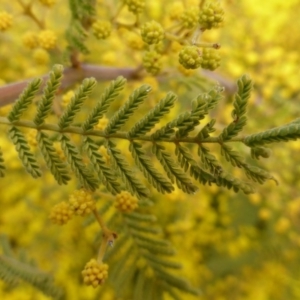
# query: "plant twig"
108,236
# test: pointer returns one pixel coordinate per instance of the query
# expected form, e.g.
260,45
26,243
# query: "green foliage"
24,100
285,133
239,112
55,165
12,269
143,259
23,150
83,13
45,104
177,132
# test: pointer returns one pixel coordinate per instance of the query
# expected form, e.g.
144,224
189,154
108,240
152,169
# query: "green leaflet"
238,114
23,150
123,114
13,269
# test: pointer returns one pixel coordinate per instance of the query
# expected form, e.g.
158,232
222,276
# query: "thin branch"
9,93
108,236
71,75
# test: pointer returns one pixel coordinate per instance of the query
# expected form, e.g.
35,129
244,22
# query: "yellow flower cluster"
31,138
61,213
102,123
5,20
30,40
135,6
81,202
66,98
101,29
94,273
47,39
125,202
105,155
41,56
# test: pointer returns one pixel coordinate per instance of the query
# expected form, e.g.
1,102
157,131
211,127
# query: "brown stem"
9,93
28,12
108,236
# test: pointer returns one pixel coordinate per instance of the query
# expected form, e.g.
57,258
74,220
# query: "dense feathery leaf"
76,103
104,171
240,104
24,153
146,166
84,175
133,184
285,133
24,100
173,170
123,114
51,88
57,167
108,96
153,116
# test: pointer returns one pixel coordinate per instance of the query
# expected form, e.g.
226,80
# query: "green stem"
117,135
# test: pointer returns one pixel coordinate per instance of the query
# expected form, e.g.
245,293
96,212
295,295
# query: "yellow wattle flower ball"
41,56
30,40
66,98
61,213
125,202
5,20
31,138
102,123
94,273
47,39
101,29
81,202
104,153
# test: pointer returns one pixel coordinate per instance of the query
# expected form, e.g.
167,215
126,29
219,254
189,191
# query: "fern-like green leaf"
27,158
123,114
257,152
51,88
76,103
285,133
57,167
239,112
108,96
85,177
252,172
143,251
173,170
228,181
185,158
187,121
133,184
146,166
11,268
209,160
105,173
153,116
206,130
24,100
